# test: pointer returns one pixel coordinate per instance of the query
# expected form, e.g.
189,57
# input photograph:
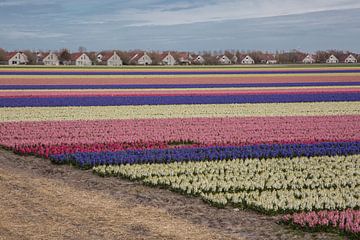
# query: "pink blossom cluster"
347,220
207,131
46,150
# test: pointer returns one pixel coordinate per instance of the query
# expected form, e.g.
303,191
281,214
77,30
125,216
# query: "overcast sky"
306,25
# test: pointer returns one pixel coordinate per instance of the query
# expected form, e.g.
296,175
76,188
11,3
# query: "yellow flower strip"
178,111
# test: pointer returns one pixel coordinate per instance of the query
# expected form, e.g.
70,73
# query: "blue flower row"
163,100
208,153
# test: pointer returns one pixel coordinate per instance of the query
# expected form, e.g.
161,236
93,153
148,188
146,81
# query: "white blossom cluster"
278,184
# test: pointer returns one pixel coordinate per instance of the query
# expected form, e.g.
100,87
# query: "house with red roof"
184,58
141,59
80,59
268,59
167,59
51,59
109,59
16,58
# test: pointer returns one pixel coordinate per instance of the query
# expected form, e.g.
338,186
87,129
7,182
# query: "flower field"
281,141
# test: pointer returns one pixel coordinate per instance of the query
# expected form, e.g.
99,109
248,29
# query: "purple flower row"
161,100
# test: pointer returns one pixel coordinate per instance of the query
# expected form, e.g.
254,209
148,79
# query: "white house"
109,59
224,60
247,60
185,58
80,59
167,59
141,59
309,59
332,59
350,59
16,58
51,59
199,60
268,59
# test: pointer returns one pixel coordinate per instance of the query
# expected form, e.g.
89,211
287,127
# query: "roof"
44,55
184,55
106,55
75,56
9,55
268,57
242,56
330,55
164,54
343,57
311,56
136,56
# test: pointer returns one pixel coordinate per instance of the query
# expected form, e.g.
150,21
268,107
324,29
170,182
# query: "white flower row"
268,184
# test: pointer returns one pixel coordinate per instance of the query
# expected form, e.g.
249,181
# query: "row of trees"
283,57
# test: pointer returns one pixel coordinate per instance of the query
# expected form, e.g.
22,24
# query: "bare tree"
31,57
2,54
64,55
82,49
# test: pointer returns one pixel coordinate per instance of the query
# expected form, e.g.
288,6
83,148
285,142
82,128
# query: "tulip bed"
276,140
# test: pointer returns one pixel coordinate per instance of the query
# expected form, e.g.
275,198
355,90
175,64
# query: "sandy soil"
39,200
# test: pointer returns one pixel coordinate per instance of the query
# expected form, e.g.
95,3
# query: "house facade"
268,59
185,58
309,59
51,59
167,59
247,60
350,59
110,59
80,59
224,60
332,59
141,59
16,58
199,60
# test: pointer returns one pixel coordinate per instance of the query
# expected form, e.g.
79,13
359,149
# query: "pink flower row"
239,131
347,220
46,150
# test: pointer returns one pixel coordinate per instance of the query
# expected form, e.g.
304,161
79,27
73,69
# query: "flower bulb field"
281,141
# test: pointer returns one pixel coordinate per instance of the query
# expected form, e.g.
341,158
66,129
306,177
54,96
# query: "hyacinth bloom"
347,220
276,140
232,130
163,100
158,153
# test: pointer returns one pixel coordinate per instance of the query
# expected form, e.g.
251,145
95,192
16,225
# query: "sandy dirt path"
39,200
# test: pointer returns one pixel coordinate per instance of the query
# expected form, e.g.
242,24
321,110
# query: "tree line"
210,57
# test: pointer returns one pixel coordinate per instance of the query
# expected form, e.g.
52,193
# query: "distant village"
117,58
